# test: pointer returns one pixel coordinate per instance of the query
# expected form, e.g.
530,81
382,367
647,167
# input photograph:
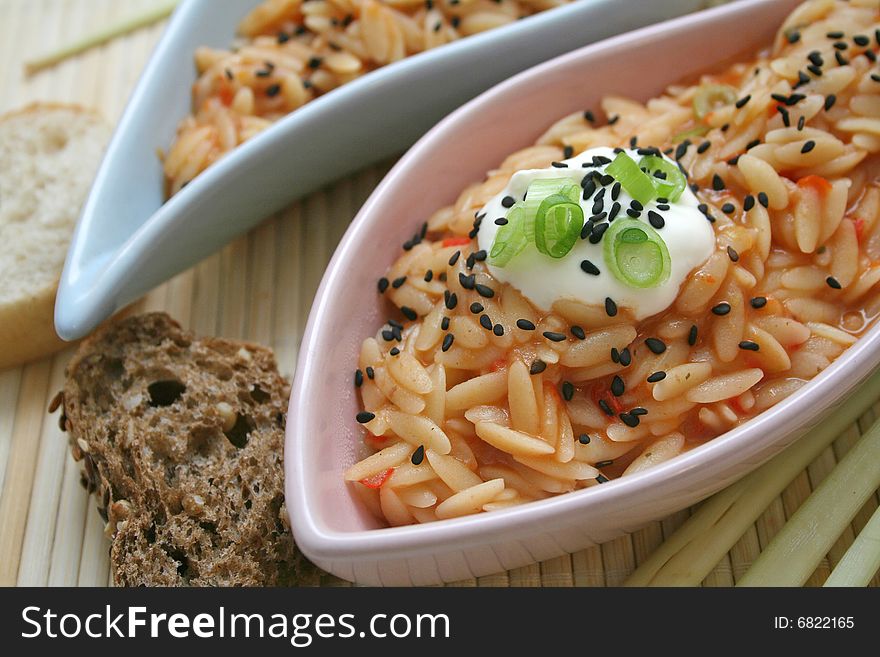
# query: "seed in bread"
49,155
181,440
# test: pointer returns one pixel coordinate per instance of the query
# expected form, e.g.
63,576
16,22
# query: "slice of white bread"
49,154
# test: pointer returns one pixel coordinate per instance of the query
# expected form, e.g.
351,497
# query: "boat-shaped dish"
129,240
323,439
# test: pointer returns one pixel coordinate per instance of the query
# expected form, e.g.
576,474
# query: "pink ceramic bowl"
323,439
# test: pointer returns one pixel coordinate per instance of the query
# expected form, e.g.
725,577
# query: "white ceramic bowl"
323,438
127,241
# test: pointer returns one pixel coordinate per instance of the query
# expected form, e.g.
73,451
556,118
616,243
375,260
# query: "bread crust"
181,440
27,324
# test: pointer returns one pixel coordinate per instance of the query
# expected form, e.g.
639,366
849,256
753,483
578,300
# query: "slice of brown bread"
182,441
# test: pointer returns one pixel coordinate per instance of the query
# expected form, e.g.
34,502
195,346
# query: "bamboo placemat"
260,287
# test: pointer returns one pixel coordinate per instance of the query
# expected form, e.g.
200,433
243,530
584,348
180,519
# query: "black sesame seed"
656,220
615,191
409,313
397,282
833,283
476,308
429,276
615,355
567,390
841,60
692,335
758,302
702,148
394,323
748,345
454,258
578,332
808,146
728,208
793,36
394,351
358,378
364,416
617,386
615,208
584,439
830,99
525,325
717,183
610,307
447,342
656,376
553,336
815,57
589,116
382,285
273,90
418,456
763,199
656,345
606,179
748,203
815,70
721,309
732,254
629,419
467,282
606,408
589,268
501,221
834,35
451,301
283,37
537,366
681,149
871,55
662,206
567,151
786,117
635,214
508,201
370,373
559,165
638,410
742,102
387,335
444,323
861,40
485,322
315,62
484,291
626,357
597,232
752,144
498,330
875,77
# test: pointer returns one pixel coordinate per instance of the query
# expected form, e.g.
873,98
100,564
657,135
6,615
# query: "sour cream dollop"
544,280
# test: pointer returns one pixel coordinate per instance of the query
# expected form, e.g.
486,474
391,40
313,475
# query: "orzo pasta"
480,395
292,51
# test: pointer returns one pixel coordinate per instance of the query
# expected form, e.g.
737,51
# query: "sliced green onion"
510,240
636,254
558,224
539,190
672,184
635,181
712,96
697,131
